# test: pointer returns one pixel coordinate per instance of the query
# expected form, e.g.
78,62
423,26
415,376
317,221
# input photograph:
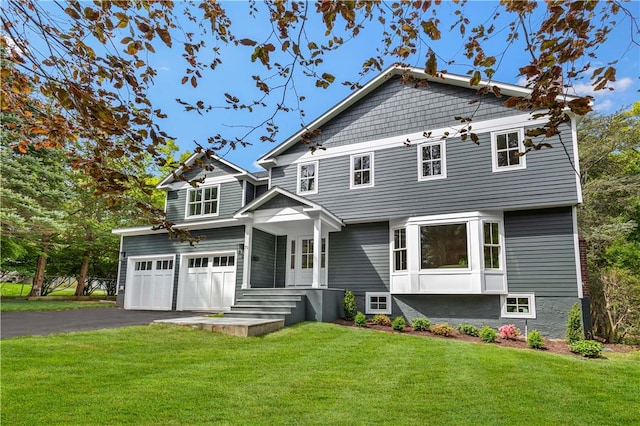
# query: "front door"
300,261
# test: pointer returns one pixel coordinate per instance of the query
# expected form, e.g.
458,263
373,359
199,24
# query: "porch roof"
298,208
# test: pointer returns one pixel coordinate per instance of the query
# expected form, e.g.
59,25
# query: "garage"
207,282
150,283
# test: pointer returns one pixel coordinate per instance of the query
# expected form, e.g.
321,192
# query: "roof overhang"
269,160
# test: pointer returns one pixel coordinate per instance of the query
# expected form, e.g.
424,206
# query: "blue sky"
234,76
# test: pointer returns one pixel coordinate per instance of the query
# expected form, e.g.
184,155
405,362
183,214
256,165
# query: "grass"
312,373
19,290
20,305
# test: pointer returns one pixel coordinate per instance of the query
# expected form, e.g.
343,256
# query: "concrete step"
270,298
263,307
264,302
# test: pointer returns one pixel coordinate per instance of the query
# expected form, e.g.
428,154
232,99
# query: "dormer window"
203,201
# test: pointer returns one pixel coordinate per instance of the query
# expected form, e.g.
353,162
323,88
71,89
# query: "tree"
609,217
92,62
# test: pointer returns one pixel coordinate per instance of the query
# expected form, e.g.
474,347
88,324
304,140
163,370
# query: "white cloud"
603,105
164,69
584,89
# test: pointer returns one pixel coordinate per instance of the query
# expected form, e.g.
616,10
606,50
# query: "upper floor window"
308,178
362,170
507,148
432,161
203,201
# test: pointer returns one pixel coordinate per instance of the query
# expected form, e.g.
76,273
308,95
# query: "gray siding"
230,201
158,244
395,109
540,252
250,193
279,202
263,255
217,169
470,185
281,260
359,258
261,189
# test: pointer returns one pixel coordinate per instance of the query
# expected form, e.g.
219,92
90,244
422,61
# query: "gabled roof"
308,205
241,172
267,159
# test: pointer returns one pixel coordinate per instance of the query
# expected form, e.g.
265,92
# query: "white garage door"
208,282
149,283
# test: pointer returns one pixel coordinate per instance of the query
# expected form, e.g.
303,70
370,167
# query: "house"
395,207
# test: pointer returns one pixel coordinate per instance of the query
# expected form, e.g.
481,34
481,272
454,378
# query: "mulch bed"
557,346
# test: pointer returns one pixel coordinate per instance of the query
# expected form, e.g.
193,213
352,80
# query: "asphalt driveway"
42,323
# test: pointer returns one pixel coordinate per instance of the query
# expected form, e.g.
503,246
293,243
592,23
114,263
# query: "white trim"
170,177
246,260
315,177
137,230
206,182
244,193
120,266
417,138
367,300
576,157
371,183
494,150
576,249
203,188
443,160
532,306
269,177
269,159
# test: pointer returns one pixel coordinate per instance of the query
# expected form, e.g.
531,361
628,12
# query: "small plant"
441,329
349,303
380,319
574,325
534,340
420,324
586,348
398,323
488,334
360,320
509,331
468,329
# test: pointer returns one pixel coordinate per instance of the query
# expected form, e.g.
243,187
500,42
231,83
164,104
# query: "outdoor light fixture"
123,256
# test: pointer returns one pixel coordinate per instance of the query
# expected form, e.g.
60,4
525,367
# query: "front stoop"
241,327
269,304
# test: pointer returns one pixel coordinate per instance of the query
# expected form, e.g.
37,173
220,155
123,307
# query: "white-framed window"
491,245
521,305
308,178
432,162
399,249
378,303
361,170
203,201
507,148
306,254
444,246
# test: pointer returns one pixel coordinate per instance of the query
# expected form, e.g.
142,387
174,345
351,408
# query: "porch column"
317,248
246,255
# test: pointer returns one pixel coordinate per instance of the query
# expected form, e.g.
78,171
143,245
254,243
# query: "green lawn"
312,373
18,290
16,305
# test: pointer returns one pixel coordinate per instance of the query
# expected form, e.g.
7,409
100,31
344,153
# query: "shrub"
488,334
381,320
360,320
468,329
398,323
441,329
509,331
349,303
420,324
574,325
586,348
534,340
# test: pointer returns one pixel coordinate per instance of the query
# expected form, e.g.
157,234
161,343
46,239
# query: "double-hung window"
491,245
399,249
203,201
432,161
362,170
308,178
507,148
